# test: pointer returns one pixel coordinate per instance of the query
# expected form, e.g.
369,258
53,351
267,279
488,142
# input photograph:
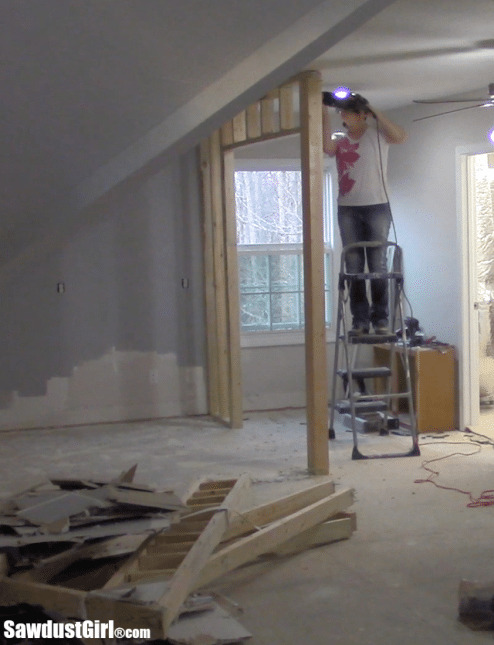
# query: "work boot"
381,327
359,329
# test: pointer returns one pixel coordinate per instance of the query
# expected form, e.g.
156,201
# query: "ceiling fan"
480,102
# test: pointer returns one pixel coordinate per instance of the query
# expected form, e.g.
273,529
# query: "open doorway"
480,188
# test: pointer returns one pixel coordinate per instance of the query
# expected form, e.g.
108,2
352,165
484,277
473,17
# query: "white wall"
425,197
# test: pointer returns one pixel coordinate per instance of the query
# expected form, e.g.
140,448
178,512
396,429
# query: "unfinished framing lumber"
227,134
267,539
186,555
269,112
239,128
4,565
126,614
181,565
313,244
259,516
272,116
235,369
212,341
181,536
49,567
335,529
68,602
287,120
72,603
217,304
253,121
185,577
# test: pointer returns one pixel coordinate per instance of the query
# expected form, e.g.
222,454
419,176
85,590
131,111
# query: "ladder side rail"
339,320
348,362
408,379
340,333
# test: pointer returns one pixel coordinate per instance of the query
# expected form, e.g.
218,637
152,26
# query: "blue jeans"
366,224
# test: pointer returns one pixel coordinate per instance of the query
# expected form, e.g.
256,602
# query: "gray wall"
125,340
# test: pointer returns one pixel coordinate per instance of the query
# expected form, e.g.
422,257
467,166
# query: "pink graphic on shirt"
345,160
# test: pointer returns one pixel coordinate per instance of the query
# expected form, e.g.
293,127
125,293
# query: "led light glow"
491,136
342,92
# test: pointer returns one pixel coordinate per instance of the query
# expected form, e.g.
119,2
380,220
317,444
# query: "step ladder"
361,407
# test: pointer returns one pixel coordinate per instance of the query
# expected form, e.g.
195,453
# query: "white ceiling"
416,49
83,83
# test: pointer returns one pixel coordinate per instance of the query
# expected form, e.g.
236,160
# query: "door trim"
468,351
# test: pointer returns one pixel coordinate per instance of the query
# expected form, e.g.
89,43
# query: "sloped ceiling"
84,82
92,90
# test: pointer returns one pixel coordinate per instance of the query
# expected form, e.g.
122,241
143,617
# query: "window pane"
269,235
255,312
285,272
268,206
253,273
285,311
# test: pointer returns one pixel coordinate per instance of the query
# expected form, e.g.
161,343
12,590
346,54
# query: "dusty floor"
395,582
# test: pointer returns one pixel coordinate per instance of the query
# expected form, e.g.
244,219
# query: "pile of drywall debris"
76,549
76,511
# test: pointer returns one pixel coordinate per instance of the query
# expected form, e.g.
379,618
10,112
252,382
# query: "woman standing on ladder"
364,213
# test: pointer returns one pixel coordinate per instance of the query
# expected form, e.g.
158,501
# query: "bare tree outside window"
269,237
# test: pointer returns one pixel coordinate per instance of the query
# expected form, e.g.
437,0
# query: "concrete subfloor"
394,582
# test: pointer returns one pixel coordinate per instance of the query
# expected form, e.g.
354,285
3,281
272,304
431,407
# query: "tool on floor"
359,409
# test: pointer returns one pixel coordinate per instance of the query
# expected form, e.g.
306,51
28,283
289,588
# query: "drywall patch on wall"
119,386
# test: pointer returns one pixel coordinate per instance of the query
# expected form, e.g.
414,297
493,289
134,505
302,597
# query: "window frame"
297,336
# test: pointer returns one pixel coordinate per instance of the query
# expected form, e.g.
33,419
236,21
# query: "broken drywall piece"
34,498
142,593
105,530
160,501
58,526
214,627
7,503
59,508
127,475
74,484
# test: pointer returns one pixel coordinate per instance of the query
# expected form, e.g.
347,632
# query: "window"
269,237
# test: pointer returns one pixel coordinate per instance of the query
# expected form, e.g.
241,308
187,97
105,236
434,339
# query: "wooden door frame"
270,117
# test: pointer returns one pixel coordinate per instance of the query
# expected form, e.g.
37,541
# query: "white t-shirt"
362,165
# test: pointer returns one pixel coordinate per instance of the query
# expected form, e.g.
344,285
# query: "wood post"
233,304
315,324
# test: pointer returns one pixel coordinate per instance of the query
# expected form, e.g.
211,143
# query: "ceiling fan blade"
469,107
430,102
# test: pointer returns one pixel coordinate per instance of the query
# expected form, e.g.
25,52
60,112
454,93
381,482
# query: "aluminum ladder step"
371,339
361,407
366,372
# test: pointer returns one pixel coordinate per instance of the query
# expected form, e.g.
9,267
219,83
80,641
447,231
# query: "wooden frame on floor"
271,117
